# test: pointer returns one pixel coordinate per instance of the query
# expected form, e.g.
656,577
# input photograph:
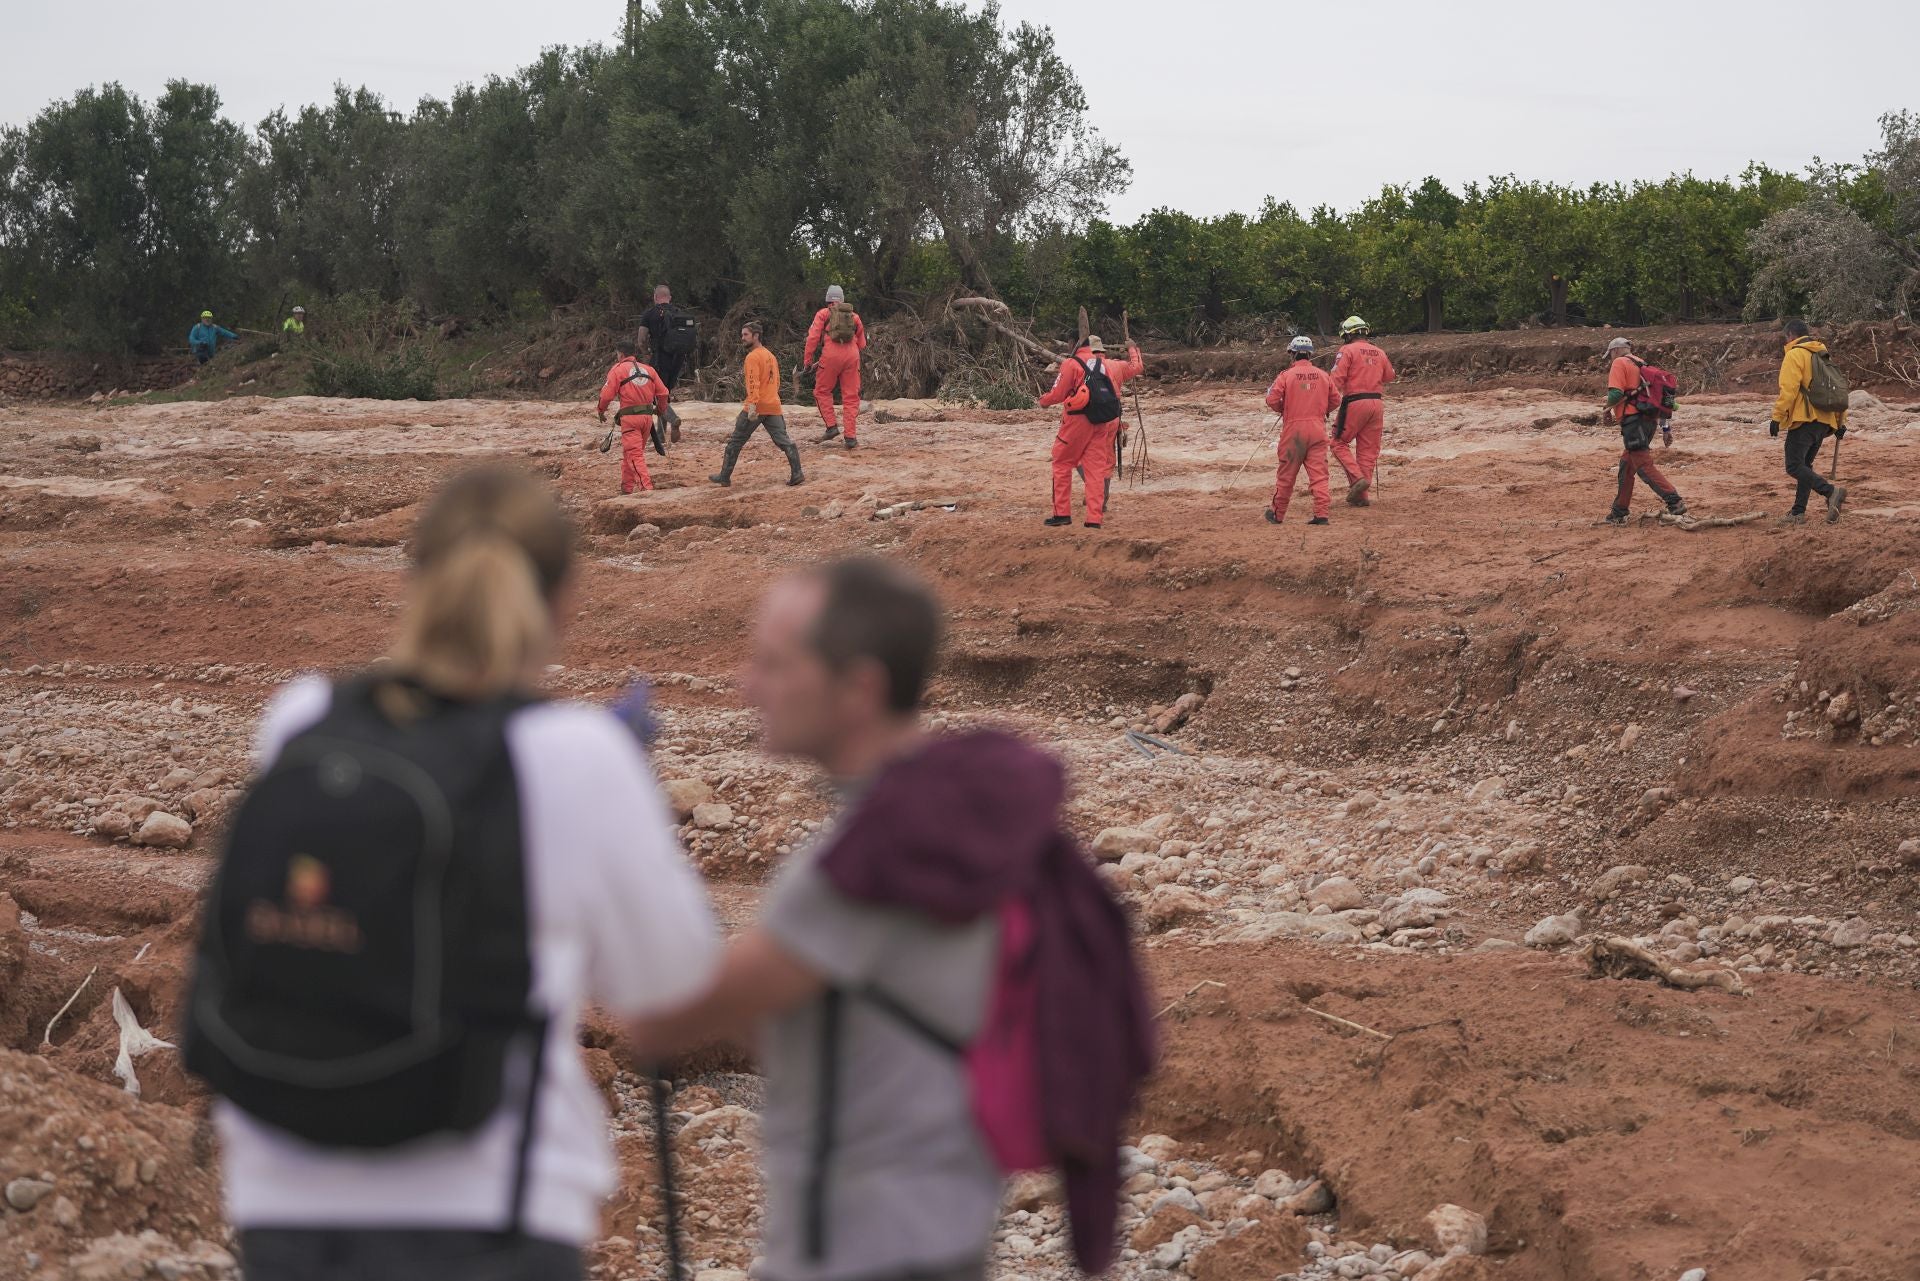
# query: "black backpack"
363,970
1103,401
681,336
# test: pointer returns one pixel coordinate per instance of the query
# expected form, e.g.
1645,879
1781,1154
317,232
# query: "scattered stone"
1409,1263
1614,879
1487,789
1274,1184
1458,1230
1851,933
24,1194
1337,894
713,816
684,794
1176,716
1682,693
1359,803
1909,852
1315,1198
1554,931
165,831
1694,1274
643,533
1275,1241
1742,884
113,825
1168,904
1117,842
1161,1226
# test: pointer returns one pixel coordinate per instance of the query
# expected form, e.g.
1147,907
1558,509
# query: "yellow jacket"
763,382
1796,372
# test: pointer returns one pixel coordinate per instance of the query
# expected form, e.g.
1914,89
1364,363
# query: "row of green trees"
749,153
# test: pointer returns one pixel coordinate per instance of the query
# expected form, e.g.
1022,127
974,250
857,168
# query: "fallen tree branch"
987,305
1690,524
1619,958
46,1038
1189,992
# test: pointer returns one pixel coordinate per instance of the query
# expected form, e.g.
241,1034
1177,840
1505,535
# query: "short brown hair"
754,327
876,610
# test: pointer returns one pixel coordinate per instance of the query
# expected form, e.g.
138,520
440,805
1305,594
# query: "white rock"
1274,1184
1554,931
1700,1274
1851,933
165,831
1337,894
684,794
1487,789
1410,1263
1458,1230
1742,884
1117,842
1360,803
1179,1198
713,816
1614,879
24,1194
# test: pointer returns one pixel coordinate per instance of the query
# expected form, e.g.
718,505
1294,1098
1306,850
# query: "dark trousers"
403,1254
668,366
743,428
1803,446
1635,462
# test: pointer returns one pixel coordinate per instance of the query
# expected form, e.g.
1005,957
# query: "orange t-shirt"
1625,379
762,372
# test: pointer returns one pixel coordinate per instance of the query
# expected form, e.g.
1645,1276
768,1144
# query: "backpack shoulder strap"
900,1011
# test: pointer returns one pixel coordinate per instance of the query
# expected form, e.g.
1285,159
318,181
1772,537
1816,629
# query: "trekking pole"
1257,446
1140,458
663,1142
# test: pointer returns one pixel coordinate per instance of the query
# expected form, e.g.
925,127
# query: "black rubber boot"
1319,520
1271,518
796,476
1055,522
832,431
725,475
659,435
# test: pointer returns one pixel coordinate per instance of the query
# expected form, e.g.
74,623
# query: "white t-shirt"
619,919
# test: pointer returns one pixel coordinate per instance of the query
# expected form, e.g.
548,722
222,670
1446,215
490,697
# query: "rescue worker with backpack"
644,404
1812,406
1303,395
672,339
1088,391
943,988
1360,372
1640,397
834,343
433,873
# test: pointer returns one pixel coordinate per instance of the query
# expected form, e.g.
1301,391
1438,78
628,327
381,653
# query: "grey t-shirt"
911,1187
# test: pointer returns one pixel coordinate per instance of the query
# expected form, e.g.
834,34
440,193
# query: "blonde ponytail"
490,554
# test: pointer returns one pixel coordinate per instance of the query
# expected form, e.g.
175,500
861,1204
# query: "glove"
1773,429
603,415
1840,433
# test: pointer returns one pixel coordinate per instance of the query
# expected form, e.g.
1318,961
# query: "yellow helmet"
1354,325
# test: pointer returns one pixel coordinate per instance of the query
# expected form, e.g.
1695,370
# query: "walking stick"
663,1143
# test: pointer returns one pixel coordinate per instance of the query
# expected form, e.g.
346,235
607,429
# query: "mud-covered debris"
1618,958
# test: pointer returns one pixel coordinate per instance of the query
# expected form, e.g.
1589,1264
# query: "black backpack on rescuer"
682,334
1103,401
363,973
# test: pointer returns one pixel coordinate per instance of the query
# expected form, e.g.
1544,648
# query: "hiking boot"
1271,518
1357,492
1616,518
832,431
1056,522
721,478
659,435
1834,499
794,475
1319,520
1791,518
852,443
1093,524
1677,507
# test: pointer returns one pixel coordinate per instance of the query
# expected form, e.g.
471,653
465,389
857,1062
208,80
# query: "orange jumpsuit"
1081,445
839,367
633,382
1361,370
1303,396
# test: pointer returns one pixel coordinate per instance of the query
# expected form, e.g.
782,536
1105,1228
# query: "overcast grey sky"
1217,103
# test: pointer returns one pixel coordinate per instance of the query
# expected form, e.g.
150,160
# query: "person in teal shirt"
204,338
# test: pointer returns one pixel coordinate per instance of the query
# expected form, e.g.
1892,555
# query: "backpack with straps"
364,969
1103,400
1658,393
1827,388
682,335
840,326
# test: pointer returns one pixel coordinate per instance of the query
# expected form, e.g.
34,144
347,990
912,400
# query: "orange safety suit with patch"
1303,396
1360,372
839,367
1084,446
635,384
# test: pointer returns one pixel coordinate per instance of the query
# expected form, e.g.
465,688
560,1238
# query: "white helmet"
1302,345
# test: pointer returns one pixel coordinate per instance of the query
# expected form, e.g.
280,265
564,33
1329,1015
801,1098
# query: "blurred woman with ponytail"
433,873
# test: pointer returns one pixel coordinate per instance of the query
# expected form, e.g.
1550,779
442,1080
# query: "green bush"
407,374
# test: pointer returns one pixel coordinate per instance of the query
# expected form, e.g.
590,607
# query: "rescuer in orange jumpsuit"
1083,444
837,337
1303,396
1359,373
643,398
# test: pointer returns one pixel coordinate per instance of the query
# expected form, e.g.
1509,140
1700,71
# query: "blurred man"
644,400
761,409
1805,377
672,338
919,930
204,339
1088,391
835,340
1638,422
1303,396
1360,371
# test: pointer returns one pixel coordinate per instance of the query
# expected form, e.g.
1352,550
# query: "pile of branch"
1694,523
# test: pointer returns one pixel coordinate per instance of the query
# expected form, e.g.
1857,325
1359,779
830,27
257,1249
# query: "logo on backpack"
1103,400
840,326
